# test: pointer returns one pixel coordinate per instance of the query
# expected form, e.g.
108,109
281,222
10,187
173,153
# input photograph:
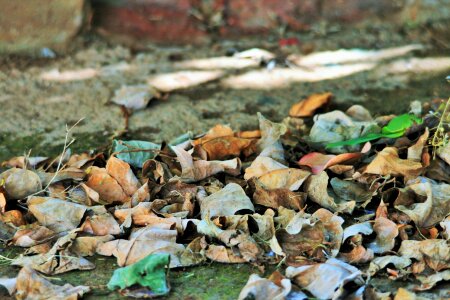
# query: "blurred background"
61,61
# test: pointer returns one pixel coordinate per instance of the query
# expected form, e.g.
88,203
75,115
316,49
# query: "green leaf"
150,272
394,129
129,151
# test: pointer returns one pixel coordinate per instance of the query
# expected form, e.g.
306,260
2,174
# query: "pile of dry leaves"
335,217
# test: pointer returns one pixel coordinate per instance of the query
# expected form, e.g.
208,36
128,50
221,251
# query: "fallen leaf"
307,107
289,178
325,280
270,144
30,285
122,173
215,132
380,263
387,162
225,147
20,183
429,281
316,188
386,231
415,151
150,273
142,242
319,162
262,165
106,186
71,75
429,212
226,202
58,260
134,97
193,171
58,215
135,152
261,288
435,253
274,198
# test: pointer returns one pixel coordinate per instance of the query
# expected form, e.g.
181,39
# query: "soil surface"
34,112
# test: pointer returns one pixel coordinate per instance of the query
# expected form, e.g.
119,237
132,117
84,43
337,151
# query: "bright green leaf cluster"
150,272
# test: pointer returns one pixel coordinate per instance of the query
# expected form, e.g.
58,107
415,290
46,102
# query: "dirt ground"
34,112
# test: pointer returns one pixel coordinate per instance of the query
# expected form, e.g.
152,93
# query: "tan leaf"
270,144
386,231
307,107
325,280
193,171
316,188
58,260
225,147
122,173
215,132
58,215
275,198
100,222
30,285
435,253
262,165
290,178
415,151
430,212
106,186
226,202
387,162
142,242
261,288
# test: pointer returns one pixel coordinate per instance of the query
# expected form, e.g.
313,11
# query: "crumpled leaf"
311,235
197,170
274,198
150,273
262,165
226,202
435,253
316,188
58,215
387,162
325,280
319,162
145,241
106,186
122,173
20,183
446,227
415,151
87,245
350,191
290,178
430,212
444,153
381,262
58,259
135,152
134,97
32,235
100,222
225,147
429,281
30,285
386,231
364,228
240,246
270,145
217,131
307,107
261,288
